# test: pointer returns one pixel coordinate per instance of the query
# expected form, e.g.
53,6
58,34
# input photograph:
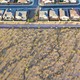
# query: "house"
1,14
48,1
21,15
43,15
74,14
73,1
66,1
53,14
8,15
24,1
5,1
63,14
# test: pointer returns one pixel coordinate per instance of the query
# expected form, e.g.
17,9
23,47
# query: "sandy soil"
40,22
40,54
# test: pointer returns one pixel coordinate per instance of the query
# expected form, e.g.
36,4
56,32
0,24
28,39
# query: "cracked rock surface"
40,54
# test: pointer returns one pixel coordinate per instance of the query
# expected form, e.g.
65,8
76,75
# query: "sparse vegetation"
40,54
30,20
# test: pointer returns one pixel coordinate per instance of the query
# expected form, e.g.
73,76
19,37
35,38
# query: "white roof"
43,14
8,15
73,1
5,1
23,15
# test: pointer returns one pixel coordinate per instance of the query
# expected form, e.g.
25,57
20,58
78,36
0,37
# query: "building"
1,14
5,1
43,15
73,1
63,14
8,15
74,14
16,1
53,14
21,15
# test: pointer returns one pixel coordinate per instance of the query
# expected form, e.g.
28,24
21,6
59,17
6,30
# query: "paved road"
62,6
38,25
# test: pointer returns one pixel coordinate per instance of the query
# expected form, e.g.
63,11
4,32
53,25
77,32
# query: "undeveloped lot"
40,54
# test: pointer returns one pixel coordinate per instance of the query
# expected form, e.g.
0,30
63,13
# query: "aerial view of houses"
39,39
39,10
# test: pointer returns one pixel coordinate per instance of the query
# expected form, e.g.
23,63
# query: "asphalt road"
62,6
38,26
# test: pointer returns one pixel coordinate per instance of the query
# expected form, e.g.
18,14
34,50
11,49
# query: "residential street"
39,26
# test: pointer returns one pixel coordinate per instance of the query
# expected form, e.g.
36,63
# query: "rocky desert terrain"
40,54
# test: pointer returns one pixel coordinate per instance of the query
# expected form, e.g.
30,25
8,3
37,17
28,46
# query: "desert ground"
40,54
41,22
